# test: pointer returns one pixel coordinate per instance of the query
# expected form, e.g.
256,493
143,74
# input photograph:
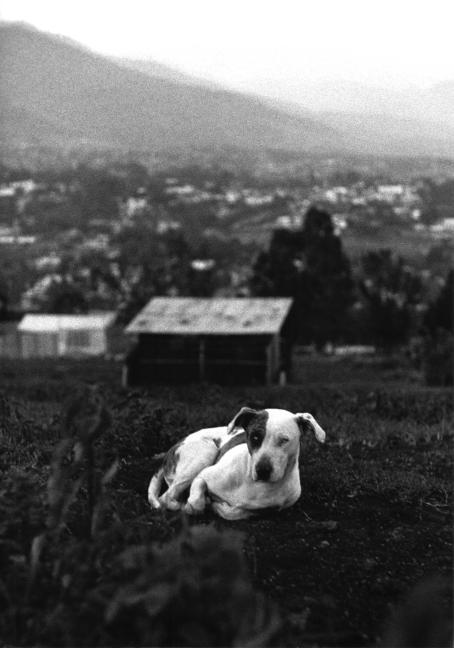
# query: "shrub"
67,578
192,591
438,359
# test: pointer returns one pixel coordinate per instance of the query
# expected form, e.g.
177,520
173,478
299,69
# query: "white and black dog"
238,469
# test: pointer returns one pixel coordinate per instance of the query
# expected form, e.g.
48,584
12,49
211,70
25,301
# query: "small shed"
224,340
65,335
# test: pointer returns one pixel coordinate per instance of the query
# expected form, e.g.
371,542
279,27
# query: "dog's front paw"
195,506
169,503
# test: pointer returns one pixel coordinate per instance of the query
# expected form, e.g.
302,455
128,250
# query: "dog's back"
185,460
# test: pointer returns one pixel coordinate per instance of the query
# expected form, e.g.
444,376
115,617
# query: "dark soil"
374,519
340,559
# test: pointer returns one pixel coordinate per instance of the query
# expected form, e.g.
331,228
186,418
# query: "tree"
276,271
202,280
3,300
438,354
437,198
64,298
150,264
98,195
16,273
310,266
440,314
391,292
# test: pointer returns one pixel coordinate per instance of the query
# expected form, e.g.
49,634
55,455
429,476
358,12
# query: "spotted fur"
247,466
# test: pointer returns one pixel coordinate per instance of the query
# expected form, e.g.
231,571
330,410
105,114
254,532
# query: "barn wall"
222,359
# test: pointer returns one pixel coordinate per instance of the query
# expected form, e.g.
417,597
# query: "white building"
65,335
390,193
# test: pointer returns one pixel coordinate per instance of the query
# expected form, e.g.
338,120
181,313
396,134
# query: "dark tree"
310,266
437,198
16,273
439,315
203,277
391,292
276,271
150,264
4,300
438,355
64,298
98,194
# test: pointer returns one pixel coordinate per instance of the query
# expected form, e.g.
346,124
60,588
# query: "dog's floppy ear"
306,423
241,419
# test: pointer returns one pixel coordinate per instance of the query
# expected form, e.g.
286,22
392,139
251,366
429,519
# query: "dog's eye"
255,439
283,440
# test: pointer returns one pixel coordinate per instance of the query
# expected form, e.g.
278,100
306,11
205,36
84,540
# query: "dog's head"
273,439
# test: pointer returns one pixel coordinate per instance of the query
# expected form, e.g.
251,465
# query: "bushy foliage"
438,354
440,314
311,266
391,290
193,591
83,560
76,571
438,358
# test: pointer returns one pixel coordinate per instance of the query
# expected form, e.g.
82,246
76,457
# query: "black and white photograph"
226,323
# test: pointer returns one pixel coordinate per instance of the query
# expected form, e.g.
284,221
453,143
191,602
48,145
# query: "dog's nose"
263,470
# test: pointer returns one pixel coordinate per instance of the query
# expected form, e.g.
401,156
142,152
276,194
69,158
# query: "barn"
64,335
223,340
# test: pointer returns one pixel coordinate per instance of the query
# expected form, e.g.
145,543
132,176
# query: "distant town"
92,231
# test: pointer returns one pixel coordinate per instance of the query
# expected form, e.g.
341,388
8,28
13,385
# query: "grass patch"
85,562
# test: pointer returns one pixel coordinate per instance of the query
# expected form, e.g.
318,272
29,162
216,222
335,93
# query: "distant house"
64,335
224,340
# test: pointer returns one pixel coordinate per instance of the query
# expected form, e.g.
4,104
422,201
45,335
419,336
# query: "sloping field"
84,561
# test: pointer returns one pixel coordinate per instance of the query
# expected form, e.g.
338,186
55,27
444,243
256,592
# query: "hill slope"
390,129
386,134
162,71
57,92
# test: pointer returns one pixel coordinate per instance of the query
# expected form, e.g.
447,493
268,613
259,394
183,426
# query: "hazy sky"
249,44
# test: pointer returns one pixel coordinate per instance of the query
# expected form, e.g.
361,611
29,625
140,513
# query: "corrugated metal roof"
37,323
215,316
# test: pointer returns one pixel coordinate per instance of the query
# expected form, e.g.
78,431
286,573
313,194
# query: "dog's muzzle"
263,470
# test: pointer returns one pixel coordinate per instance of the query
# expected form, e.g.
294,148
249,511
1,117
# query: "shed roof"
213,316
37,323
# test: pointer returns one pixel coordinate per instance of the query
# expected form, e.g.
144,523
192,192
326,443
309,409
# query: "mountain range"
56,92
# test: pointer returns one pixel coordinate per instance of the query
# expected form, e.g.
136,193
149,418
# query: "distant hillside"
57,92
382,127
385,134
162,71
435,104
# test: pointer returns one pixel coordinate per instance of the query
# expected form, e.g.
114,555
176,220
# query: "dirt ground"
374,518
339,561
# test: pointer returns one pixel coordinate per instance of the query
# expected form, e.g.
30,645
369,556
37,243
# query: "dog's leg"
171,498
197,500
193,458
228,512
154,489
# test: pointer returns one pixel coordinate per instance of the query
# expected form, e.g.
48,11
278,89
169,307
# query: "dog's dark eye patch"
255,439
256,431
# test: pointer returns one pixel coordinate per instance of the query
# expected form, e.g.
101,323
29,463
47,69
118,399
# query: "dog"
239,469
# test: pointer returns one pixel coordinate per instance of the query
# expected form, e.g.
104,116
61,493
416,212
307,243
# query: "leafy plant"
70,580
